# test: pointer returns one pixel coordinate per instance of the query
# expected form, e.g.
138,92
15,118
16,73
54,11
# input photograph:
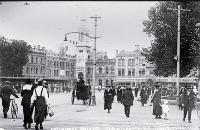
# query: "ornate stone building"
132,68
105,70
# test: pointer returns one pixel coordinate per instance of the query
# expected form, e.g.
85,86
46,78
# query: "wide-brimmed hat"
7,82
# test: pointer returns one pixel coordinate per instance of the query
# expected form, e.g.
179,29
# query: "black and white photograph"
100,65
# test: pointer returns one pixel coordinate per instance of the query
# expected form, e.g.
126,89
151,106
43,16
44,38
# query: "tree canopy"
13,56
162,26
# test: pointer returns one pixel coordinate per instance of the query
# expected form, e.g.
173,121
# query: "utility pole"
178,45
94,63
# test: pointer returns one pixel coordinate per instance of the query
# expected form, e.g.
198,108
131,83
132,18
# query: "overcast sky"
45,23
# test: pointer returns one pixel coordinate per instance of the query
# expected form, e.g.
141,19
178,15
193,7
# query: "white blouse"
38,90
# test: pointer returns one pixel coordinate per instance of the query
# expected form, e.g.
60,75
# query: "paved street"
80,116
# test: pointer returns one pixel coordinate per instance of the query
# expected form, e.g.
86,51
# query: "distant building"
105,70
132,69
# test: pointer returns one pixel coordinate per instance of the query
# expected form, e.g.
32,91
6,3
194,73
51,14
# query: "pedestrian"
113,92
108,98
5,92
119,94
45,84
165,109
136,91
40,99
26,94
127,100
144,95
188,102
181,98
156,100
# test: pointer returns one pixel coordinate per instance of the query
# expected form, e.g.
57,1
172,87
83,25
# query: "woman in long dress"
157,109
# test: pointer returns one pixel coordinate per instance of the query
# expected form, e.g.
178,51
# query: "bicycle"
14,109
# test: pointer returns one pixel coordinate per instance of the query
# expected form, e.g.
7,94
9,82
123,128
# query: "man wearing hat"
188,102
127,100
5,94
108,98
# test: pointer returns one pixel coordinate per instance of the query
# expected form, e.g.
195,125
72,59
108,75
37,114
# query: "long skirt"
40,110
27,114
157,110
107,105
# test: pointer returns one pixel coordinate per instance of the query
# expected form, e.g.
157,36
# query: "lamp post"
94,62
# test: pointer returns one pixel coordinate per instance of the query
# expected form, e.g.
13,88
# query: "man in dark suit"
127,100
5,93
188,102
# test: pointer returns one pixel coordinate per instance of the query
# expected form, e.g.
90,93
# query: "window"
106,81
41,60
123,62
133,62
31,59
100,70
88,81
100,82
129,72
111,82
41,70
88,70
112,70
80,51
123,72
88,57
36,60
133,72
119,62
54,64
119,72
36,70
129,62
143,71
107,70
27,70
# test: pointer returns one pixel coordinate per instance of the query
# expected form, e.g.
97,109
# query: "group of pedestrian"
124,96
34,96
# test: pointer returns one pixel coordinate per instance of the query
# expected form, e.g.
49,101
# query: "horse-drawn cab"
82,91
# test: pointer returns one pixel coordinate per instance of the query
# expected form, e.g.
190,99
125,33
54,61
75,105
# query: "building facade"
132,69
105,70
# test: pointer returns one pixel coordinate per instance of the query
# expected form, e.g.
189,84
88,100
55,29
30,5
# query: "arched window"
112,70
107,82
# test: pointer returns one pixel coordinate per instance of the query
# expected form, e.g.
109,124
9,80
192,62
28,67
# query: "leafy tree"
162,26
13,56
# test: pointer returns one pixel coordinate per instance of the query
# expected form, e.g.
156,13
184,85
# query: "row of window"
131,72
131,62
36,59
62,65
35,70
100,70
56,73
100,82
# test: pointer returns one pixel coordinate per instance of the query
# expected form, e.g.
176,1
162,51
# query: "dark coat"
108,99
189,99
157,109
127,98
119,94
6,92
144,96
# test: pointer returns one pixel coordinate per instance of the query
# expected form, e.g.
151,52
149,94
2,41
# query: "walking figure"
188,102
5,93
108,98
127,100
136,91
165,109
156,100
40,100
119,94
144,95
26,93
